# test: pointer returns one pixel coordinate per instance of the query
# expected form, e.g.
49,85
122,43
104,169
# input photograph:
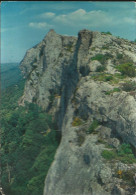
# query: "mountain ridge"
88,84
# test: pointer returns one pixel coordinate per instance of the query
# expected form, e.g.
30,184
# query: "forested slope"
29,142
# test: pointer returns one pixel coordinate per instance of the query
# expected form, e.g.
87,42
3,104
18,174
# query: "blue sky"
25,23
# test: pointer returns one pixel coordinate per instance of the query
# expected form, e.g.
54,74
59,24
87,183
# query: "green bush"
127,69
124,149
109,154
123,154
107,33
129,86
93,48
103,77
108,78
98,57
102,58
100,68
105,47
128,176
112,91
127,159
93,126
119,56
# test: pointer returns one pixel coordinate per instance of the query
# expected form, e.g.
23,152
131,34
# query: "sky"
26,23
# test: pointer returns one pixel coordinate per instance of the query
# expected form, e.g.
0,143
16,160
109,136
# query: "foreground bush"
127,69
123,154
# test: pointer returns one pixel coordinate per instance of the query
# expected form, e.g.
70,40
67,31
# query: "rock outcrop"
76,79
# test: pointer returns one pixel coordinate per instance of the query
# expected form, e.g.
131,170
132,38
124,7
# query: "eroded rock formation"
76,80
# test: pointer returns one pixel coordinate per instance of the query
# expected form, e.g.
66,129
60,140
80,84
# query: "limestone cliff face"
76,80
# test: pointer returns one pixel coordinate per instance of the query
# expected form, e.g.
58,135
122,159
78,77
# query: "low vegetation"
129,86
105,46
100,68
106,33
127,176
106,77
77,121
112,91
119,56
102,58
123,154
102,77
93,126
69,47
127,69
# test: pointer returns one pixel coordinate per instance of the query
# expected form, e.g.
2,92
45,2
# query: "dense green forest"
28,144
10,74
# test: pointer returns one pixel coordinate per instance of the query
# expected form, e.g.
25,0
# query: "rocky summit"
88,84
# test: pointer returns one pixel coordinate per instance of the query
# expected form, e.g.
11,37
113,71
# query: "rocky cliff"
88,84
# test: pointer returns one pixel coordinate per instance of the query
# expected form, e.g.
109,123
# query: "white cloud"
81,17
93,19
40,25
47,15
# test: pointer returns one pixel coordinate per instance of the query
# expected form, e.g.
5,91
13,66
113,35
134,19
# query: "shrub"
124,154
93,48
102,58
101,141
108,78
127,69
80,139
109,154
76,122
128,177
124,149
119,173
107,33
103,77
105,47
100,68
69,47
129,86
112,91
119,56
93,126
98,57
128,159
119,76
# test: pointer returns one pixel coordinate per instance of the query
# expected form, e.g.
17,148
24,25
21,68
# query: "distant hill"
10,74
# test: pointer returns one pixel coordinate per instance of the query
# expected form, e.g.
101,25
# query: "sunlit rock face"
76,79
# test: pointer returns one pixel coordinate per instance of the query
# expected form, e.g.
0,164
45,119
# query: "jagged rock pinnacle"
50,33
